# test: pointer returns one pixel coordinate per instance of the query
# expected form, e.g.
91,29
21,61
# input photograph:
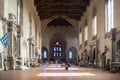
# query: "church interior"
48,35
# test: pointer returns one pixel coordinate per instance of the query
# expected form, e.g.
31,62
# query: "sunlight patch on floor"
63,68
65,74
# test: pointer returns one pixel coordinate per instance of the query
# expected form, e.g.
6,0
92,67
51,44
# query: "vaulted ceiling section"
71,8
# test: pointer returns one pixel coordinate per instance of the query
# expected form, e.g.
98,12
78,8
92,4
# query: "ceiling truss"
71,8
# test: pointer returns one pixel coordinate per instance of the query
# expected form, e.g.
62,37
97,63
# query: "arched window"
80,37
45,54
19,12
86,33
30,26
94,22
70,55
57,50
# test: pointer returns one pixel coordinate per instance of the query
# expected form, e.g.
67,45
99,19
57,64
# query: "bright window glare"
109,15
70,54
80,37
45,54
58,68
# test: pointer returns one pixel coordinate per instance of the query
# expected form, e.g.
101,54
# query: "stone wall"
68,33
29,12
100,8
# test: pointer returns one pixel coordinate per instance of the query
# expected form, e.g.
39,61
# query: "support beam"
48,8
63,4
79,10
61,1
61,12
69,16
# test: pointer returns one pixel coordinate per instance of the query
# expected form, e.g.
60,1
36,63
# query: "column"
30,56
9,56
113,33
19,59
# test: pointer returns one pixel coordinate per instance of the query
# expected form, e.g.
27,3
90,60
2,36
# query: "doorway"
72,55
45,54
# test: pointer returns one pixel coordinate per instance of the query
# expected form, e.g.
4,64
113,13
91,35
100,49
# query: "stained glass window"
54,53
57,49
60,54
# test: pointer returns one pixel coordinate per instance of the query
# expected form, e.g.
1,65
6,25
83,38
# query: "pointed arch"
57,51
45,22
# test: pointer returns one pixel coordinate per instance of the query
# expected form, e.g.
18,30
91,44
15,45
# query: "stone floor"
56,72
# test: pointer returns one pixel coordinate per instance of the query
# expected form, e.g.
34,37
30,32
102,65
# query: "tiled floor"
55,72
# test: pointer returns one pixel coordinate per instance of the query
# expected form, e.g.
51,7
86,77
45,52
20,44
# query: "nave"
56,72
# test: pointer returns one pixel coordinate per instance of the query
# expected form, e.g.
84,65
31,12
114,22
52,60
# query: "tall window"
94,22
30,26
70,54
80,37
57,50
45,54
109,15
86,33
19,12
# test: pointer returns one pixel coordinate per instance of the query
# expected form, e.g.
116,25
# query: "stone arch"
74,55
58,37
45,22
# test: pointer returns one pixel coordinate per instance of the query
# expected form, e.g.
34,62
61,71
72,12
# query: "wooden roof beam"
64,4
78,10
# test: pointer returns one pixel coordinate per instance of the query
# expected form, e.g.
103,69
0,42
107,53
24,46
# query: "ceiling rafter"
71,8
49,4
60,10
60,1
61,7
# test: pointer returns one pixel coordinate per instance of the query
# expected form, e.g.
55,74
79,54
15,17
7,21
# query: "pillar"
30,56
113,33
9,56
19,59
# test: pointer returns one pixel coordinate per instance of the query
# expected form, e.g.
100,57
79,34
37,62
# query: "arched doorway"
58,48
72,55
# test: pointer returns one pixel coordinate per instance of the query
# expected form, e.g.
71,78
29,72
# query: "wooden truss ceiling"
71,8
